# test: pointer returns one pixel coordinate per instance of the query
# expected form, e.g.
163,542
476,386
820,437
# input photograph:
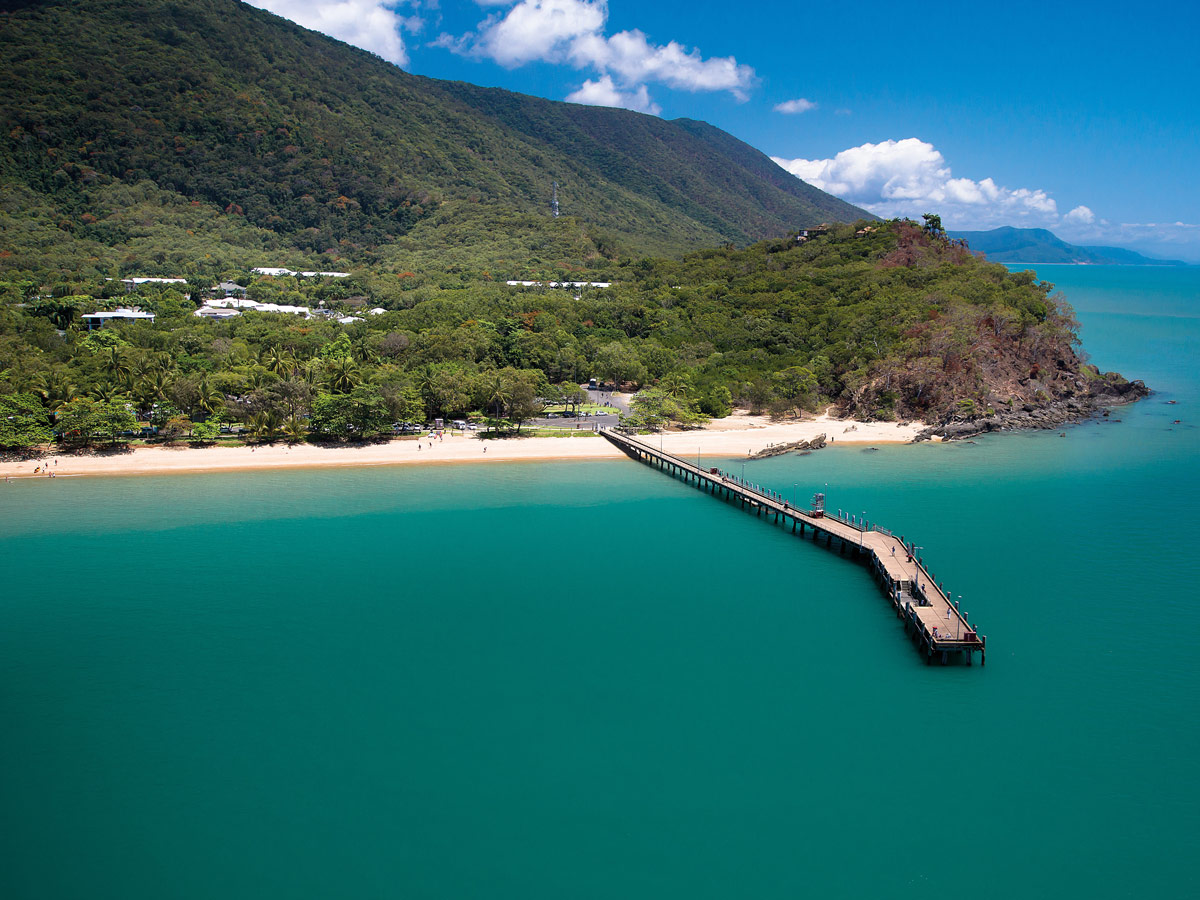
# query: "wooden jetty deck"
935,623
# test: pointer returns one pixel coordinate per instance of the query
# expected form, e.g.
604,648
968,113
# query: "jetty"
935,623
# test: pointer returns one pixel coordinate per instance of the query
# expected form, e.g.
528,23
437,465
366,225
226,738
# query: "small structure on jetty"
938,628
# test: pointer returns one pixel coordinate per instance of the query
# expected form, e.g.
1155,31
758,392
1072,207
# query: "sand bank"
735,436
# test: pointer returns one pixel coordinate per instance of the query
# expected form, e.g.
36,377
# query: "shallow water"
588,680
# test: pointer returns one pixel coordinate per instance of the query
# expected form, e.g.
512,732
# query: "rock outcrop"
816,443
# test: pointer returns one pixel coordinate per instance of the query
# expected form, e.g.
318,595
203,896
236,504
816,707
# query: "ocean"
588,680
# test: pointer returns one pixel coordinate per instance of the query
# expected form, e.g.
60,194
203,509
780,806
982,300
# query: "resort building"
269,270
97,320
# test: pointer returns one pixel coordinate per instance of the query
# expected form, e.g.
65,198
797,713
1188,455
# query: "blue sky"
1079,117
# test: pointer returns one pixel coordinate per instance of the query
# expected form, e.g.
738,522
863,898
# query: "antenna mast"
554,201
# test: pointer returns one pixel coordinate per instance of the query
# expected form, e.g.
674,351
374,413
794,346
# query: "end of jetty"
937,627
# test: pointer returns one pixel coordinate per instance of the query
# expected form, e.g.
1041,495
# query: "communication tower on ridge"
554,200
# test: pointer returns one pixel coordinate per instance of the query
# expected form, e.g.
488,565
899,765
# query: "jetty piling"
931,618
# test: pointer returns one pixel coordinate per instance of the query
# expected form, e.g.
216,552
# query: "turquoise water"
587,680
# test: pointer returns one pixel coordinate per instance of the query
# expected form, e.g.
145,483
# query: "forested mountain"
1037,245
217,119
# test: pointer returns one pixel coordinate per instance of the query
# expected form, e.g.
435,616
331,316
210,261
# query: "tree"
208,398
57,390
368,411
341,375
359,415
619,362
175,427
717,403
264,425
113,418
294,430
796,386
23,422
280,362
151,388
523,400
117,366
77,420
205,432
572,395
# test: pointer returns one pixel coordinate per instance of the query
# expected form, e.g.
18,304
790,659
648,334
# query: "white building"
216,313
268,270
563,284
100,319
131,283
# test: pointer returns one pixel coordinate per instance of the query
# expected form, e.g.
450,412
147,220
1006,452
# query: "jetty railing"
935,623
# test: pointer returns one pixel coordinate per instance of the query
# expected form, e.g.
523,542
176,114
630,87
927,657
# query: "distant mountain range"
1037,245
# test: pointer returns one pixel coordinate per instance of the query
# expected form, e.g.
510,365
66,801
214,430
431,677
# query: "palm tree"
264,425
675,385
105,391
209,398
151,388
427,386
57,390
497,395
341,375
294,429
360,349
311,371
278,361
259,377
118,367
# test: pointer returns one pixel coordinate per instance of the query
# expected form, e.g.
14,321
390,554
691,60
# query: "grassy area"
582,408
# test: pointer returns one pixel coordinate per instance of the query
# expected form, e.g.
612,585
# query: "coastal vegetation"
885,321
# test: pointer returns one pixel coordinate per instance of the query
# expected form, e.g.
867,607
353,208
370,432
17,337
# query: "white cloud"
373,25
603,92
538,30
792,107
911,177
1080,215
572,32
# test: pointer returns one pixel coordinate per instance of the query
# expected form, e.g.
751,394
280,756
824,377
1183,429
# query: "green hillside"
213,119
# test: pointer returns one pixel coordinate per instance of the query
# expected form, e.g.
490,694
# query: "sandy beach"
734,436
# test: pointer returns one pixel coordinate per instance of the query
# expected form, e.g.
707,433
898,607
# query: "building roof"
243,303
270,270
119,314
554,284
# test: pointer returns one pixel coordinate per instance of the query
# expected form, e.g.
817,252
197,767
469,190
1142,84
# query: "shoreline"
733,437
